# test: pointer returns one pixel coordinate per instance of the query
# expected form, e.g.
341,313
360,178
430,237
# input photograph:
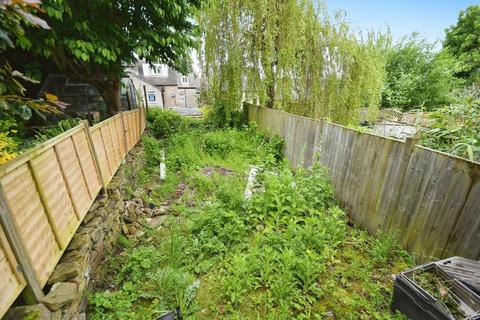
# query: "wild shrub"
456,129
164,123
221,115
46,133
219,143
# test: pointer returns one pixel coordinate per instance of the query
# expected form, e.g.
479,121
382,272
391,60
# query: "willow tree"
289,54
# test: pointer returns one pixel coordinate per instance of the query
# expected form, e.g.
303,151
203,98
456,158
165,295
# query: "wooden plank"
48,210
121,137
19,250
96,161
99,148
83,169
125,131
464,239
73,176
108,152
115,145
11,280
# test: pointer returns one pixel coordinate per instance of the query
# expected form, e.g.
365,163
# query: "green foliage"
14,16
289,55
218,143
8,147
417,76
165,123
46,133
92,40
463,42
456,129
287,253
224,116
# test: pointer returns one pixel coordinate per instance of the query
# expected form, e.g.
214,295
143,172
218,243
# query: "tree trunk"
110,91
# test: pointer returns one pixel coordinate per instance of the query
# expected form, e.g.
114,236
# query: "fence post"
33,293
95,156
139,122
124,133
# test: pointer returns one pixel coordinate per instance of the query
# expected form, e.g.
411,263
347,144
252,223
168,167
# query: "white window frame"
150,94
184,79
160,70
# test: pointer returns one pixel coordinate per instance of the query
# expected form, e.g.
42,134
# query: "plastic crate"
457,279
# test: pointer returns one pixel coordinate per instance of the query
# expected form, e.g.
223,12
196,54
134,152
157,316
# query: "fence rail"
46,192
430,199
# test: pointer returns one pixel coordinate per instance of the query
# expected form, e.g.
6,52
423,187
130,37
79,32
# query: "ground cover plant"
287,253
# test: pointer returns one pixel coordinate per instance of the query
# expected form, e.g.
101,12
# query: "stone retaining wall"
69,283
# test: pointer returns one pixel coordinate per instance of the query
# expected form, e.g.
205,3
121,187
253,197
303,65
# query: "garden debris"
163,167
172,315
447,289
156,222
210,170
136,210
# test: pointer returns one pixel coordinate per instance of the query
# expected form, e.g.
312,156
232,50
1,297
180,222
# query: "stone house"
164,87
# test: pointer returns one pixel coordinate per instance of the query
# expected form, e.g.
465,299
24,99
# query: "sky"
428,17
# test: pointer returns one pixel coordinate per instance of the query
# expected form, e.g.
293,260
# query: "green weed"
287,253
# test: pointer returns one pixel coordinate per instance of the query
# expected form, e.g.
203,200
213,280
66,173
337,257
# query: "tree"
14,17
14,105
418,76
290,55
463,42
92,40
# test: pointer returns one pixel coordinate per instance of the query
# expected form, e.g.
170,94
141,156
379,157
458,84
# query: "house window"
181,96
158,70
152,96
184,80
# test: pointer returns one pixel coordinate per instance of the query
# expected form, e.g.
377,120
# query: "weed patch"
287,253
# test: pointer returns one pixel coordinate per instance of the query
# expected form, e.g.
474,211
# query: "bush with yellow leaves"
8,147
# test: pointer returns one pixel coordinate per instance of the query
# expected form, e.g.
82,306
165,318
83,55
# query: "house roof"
173,78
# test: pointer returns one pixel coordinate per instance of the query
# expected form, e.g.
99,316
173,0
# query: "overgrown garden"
287,253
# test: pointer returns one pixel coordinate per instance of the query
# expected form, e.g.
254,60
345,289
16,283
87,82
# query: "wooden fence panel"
47,191
433,195
465,237
12,282
73,175
31,220
109,150
54,194
428,198
120,137
99,146
87,163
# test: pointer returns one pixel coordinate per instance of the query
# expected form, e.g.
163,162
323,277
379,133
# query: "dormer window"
184,80
158,70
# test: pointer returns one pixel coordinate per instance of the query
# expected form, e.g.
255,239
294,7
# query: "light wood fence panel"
46,192
11,281
429,199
